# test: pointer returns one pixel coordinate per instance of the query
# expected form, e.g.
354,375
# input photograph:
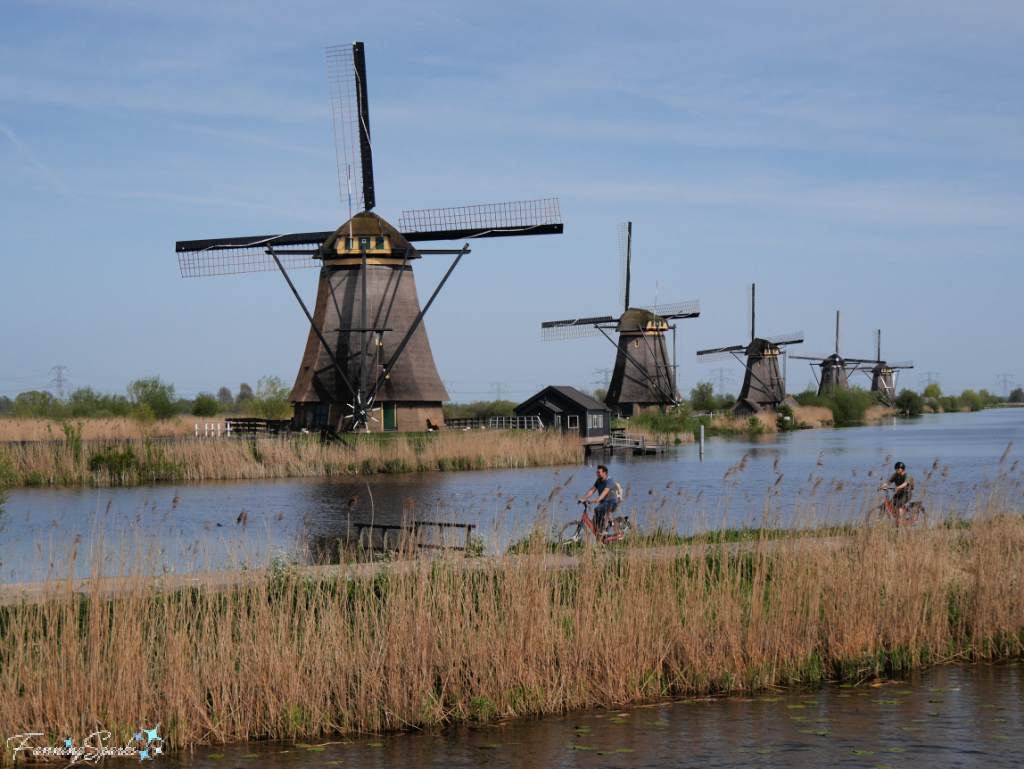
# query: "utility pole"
721,375
59,380
929,378
1006,380
605,376
496,387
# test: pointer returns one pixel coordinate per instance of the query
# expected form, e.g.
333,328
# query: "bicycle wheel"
621,532
571,536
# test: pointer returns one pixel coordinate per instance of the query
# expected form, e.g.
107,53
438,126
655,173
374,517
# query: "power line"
1007,381
59,380
929,378
722,375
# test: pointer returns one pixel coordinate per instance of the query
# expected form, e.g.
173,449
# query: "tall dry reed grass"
422,642
53,463
112,429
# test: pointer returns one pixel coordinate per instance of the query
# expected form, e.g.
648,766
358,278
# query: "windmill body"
367,364
834,368
764,383
412,394
644,377
884,374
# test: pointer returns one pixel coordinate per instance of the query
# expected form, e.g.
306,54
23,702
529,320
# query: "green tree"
34,403
244,395
932,391
6,404
1017,396
909,403
972,400
702,397
271,399
225,398
155,393
205,405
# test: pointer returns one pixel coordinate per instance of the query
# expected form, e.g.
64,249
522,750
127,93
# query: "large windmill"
367,354
643,377
883,375
764,383
835,369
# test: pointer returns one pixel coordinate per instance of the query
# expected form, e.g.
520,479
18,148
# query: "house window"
558,420
596,420
574,422
378,243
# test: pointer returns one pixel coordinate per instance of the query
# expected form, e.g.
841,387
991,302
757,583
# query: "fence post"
702,441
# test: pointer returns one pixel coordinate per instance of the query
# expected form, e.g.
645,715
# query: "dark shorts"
602,509
901,498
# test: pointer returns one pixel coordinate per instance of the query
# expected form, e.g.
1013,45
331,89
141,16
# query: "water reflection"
947,716
739,482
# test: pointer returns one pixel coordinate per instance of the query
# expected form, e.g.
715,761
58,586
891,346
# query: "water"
951,456
969,716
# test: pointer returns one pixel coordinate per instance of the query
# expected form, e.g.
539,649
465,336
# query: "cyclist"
607,501
903,490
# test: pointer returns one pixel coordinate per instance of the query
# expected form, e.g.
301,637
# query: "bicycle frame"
586,521
887,504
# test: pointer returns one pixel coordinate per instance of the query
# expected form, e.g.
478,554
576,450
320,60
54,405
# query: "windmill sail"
575,328
346,71
673,311
523,217
625,253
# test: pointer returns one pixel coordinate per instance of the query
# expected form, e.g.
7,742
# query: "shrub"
155,393
117,463
702,397
909,403
244,395
480,409
205,405
271,399
1017,396
932,391
847,406
755,427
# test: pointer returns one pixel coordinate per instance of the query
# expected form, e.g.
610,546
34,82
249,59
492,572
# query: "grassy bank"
72,462
429,642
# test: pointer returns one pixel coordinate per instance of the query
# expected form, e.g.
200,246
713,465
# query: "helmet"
900,466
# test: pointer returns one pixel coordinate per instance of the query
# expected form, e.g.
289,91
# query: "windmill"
834,368
367,353
642,378
764,383
883,375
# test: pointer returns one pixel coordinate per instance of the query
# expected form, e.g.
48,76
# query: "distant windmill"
884,375
367,349
764,385
642,378
834,368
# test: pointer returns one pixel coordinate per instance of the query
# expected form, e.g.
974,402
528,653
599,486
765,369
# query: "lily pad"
895,750
794,707
904,691
624,750
863,752
998,720
766,750
911,728
619,721
798,718
314,750
581,747
302,745
659,723
935,700
376,744
216,755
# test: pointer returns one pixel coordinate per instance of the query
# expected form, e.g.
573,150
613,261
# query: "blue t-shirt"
607,483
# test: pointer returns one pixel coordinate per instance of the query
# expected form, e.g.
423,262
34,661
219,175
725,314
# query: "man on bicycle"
903,489
606,501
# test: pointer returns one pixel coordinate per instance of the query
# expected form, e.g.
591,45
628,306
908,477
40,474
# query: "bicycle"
575,532
914,511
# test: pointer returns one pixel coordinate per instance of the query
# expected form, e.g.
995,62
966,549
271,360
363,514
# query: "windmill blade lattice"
720,353
804,355
625,250
901,364
678,310
346,71
521,217
574,328
229,256
795,338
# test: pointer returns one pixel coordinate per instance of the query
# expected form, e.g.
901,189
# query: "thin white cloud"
26,153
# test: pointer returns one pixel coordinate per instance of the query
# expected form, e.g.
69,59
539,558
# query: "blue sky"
866,158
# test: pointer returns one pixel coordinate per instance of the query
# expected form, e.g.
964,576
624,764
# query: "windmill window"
574,422
378,243
636,343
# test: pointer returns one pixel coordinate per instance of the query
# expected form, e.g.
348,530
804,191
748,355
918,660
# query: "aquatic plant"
293,652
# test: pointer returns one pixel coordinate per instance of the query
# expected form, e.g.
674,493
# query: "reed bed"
112,429
72,463
296,654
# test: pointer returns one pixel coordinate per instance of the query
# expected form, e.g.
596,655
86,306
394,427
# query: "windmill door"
390,416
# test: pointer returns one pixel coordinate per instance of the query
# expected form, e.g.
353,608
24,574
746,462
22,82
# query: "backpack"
618,492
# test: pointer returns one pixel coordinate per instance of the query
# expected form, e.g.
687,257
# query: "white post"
702,441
